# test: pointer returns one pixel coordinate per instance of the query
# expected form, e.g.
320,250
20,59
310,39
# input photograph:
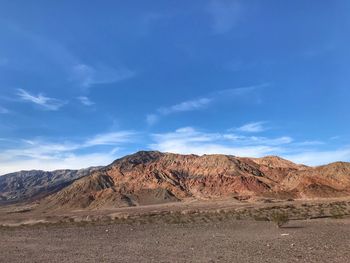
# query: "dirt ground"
215,231
318,240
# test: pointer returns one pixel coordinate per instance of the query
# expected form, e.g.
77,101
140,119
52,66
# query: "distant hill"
154,177
32,185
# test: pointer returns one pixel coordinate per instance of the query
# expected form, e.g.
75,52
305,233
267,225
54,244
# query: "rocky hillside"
32,185
153,177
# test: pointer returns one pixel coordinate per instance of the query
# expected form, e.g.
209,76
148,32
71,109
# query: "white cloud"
320,157
69,161
45,102
190,141
225,15
190,105
203,102
85,101
253,127
186,106
110,138
48,155
248,140
88,76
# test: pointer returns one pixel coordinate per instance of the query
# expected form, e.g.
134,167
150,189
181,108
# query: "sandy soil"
319,240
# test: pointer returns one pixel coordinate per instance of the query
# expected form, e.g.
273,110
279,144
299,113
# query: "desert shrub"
279,218
321,211
336,214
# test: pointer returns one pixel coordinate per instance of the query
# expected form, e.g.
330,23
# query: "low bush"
279,218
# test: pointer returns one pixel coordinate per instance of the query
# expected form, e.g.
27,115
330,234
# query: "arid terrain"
147,178
231,240
192,231
161,207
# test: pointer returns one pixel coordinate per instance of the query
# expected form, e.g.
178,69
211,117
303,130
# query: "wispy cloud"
190,105
111,138
46,103
186,106
203,102
189,140
85,101
225,15
49,154
320,157
253,127
88,76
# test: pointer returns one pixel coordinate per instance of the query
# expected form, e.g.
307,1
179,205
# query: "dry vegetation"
278,213
187,236
181,232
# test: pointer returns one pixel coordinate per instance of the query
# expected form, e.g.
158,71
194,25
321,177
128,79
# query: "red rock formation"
154,177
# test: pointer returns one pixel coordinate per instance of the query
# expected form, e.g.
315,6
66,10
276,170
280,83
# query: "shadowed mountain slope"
31,185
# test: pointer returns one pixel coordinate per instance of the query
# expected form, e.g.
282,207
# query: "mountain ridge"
152,177
34,184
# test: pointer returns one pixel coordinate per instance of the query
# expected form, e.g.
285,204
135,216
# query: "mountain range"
151,177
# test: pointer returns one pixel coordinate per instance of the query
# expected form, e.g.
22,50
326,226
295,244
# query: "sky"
85,82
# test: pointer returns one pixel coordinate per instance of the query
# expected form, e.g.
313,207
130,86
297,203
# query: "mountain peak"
276,161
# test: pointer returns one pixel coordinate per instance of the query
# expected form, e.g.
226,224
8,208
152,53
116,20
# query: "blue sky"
85,82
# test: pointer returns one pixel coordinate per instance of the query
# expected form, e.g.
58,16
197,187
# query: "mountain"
154,177
150,177
36,184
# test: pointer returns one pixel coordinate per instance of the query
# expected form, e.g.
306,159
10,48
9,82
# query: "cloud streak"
320,157
86,101
186,106
190,105
202,102
44,102
88,76
111,138
253,127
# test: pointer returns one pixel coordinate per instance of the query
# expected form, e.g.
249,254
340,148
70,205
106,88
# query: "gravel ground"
321,240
